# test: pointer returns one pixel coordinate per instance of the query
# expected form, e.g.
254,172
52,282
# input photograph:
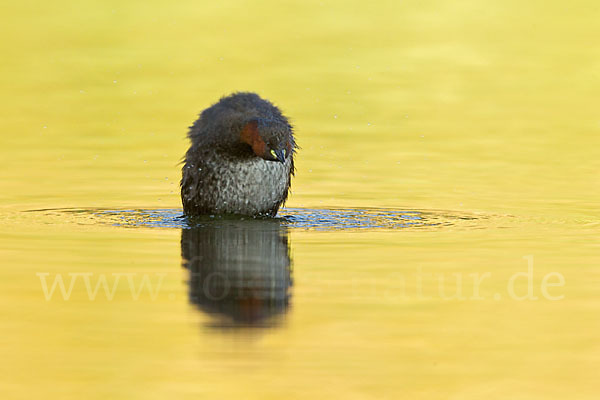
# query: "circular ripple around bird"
326,219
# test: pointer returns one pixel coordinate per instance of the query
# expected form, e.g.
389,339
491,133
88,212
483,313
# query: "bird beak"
280,155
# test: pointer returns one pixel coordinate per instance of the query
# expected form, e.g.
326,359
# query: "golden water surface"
484,114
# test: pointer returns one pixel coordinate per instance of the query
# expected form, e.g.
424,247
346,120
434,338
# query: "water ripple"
326,219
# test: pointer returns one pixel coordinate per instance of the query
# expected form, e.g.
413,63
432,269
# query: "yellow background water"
485,108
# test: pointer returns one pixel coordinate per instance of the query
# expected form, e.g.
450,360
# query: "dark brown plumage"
241,158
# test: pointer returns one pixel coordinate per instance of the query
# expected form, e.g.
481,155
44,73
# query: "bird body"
241,159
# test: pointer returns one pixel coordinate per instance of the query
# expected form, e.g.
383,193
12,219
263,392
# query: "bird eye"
273,153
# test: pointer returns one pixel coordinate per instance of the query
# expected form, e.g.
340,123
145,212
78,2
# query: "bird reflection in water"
239,270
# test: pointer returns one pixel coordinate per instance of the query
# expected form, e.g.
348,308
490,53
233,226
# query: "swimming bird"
241,158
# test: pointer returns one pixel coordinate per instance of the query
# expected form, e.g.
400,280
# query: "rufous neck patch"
251,136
